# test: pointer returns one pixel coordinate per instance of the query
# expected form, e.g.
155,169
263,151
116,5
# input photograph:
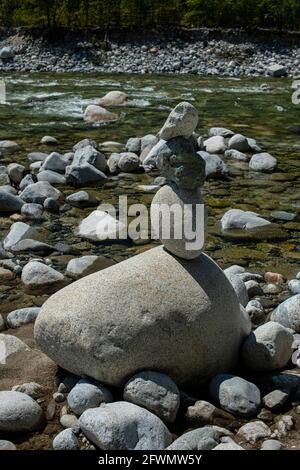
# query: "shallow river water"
53,104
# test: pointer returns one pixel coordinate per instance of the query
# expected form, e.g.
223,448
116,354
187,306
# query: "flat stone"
39,192
18,231
244,220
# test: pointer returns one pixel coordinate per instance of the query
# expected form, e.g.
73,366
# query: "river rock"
89,154
51,205
294,286
81,267
177,240
277,70
124,426
100,225
66,440
253,432
205,438
7,445
156,392
182,122
79,176
39,277
84,143
27,181
10,345
32,246
271,444
82,199
238,219
239,142
128,162
215,144
69,421
32,389
147,333
253,289
6,53
239,288
269,347
37,157
55,162
236,395
8,146
263,162
19,413
10,203
94,113
38,192
275,400
51,177
16,172
215,167
86,395
49,140
236,155
220,131
288,313
18,231
113,98
2,324
134,145
32,211
21,317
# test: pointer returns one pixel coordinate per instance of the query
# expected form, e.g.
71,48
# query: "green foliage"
278,14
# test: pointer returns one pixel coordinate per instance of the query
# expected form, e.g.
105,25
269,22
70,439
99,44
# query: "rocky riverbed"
48,201
231,54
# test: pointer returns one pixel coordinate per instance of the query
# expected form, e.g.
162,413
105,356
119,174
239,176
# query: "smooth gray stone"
85,143
39,192
239,288
75,325
263,162
182,122
32,246
27,181
271,444
86,395
239,142
222,131
238,219
275,400
235,395
18,231
51,177
55,162
22,316
294,286
84,174
128,162
7,445
66,440
205,438
32,211
19,413
288,313
82,199
10,203
215,167
39,276
124,426
37,156
156,392
89,155
268,348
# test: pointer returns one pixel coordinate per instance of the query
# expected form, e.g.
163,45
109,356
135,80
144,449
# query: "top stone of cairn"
181,122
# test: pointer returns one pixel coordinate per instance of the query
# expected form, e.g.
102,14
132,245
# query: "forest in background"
277,14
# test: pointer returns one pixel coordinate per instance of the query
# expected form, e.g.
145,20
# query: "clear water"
53,104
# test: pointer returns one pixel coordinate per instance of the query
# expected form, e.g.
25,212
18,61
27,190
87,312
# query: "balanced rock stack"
169,309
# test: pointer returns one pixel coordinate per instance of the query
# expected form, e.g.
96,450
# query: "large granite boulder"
151,312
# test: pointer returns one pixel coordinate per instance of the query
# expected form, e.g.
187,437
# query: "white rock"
81,267
18,231
22,316
10,345
94,113
16,172
100,226
238,219
215,144
263,162
66,440
113,98
39,276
